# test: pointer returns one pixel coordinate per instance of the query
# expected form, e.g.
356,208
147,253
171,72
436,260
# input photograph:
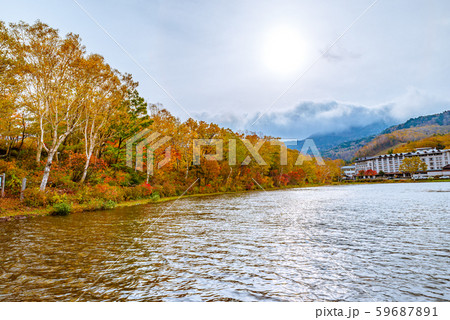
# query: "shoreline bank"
26,212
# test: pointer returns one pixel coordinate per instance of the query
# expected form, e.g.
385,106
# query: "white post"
24,185
3,184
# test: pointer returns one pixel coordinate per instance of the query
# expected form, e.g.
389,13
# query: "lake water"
372,242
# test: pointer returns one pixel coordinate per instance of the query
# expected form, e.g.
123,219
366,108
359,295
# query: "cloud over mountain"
310,117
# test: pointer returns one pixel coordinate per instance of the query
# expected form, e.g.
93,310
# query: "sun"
284,50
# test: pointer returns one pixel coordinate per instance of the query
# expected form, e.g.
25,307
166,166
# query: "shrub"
84,195
158,189
131,193
61,209
138,192
33,197
146,189
168,189
250,186
97,204
106,192
55,198
109,205
207,189
13,183
195,190
93,205
60,178
155,196
122,178
76,163
135,178
14,174
66,182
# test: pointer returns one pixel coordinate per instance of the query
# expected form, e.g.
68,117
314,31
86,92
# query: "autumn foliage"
66,117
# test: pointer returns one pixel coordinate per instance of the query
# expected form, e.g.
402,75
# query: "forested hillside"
384,142
395,136
347,150
439,119
438,141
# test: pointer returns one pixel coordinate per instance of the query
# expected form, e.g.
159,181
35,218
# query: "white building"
349,171
390,163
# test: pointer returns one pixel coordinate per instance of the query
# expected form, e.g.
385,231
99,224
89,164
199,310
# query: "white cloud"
311,117
416,103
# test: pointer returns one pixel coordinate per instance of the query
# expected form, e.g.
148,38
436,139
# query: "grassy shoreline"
23,212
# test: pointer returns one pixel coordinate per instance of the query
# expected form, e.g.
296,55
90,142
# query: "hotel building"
348,172
435,159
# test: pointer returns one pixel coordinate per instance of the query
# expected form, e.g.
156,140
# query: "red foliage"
148,187
370,172
107,192
283,179
77,161
207,189
249,186
297,177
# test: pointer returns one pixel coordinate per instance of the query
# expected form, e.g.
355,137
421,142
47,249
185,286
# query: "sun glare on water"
284,51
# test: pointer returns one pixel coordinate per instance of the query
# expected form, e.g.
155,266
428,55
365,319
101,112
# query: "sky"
234,62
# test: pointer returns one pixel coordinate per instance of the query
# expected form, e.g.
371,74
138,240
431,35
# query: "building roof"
418,152
423,151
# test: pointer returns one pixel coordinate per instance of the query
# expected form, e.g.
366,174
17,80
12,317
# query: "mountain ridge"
442,119
411,130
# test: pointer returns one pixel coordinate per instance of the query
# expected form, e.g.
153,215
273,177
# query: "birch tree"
9,86
103,102
38,49
66,99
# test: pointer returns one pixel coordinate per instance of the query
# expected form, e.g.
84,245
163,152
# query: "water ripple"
346,243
